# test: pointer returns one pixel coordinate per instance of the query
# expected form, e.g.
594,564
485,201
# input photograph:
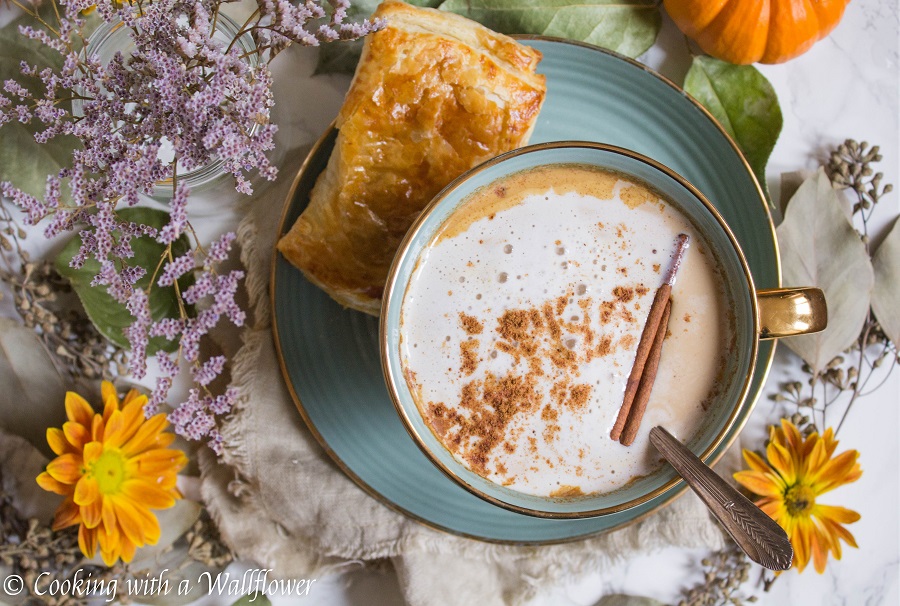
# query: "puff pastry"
434,94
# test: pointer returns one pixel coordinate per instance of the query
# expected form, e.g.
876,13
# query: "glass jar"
112,37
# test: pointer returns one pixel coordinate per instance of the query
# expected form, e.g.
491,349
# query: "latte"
520,323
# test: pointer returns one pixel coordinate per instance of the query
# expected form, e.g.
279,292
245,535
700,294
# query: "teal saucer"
330,355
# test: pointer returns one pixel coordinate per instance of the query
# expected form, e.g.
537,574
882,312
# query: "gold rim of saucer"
393,289
678,491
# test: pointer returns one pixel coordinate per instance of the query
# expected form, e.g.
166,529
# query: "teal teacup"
751,315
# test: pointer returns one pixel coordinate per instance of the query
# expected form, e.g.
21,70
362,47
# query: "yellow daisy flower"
798,471
113,468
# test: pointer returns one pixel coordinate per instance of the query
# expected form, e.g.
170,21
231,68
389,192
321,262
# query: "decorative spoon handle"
764,541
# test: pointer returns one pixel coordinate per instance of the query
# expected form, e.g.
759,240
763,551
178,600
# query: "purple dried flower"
207,372
181,91
176,268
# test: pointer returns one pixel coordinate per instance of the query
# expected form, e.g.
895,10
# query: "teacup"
481,405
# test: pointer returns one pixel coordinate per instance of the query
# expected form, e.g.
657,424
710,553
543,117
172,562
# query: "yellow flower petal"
841,515
68,514
147,494
108,514
755,462
146,436
113,436
56,439
97,428
110,399
87,541
90,514
800,540
78,410
836,472
92,452
133,415
133,395
763,484
158,461
66,468
128,549
782,461
819,551
46,481
792,438
86,491
129,520
76,434
839,532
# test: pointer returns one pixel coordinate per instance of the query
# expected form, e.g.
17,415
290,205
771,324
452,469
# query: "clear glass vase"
113,37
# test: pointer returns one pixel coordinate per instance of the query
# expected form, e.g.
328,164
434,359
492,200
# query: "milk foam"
521,321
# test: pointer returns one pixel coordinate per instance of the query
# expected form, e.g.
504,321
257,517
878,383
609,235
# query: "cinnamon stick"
657,309
639,406
648,336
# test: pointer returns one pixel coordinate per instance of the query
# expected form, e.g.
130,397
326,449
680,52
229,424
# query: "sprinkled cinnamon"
470,324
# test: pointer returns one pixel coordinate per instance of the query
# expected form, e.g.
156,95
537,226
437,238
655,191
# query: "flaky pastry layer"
434,94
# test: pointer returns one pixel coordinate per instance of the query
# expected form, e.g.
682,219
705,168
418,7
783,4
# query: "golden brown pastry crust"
434,94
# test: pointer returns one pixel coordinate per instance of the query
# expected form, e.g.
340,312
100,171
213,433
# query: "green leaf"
628,27
820,247
34,392
743,102
886,294
110,317
342,56
24,161
253,599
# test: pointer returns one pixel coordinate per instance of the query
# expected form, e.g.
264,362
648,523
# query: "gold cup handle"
784,312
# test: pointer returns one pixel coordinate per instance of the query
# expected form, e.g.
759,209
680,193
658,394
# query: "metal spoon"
764,541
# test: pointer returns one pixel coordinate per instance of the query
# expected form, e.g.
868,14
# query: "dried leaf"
20,464
819,247
173,523
628,27
621,599
743,102
110,317
886,294
34,393
171,554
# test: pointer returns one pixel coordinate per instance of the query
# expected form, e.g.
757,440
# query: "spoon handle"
764,541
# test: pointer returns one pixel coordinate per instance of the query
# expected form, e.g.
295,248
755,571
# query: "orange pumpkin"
750,31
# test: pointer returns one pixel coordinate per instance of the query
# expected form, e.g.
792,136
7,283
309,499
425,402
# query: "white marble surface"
846,86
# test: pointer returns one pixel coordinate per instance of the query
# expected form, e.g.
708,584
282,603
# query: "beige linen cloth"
281,502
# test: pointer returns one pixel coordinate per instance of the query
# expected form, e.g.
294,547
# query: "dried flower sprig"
180,99
850,168
44,301
30,548
847,376
725,575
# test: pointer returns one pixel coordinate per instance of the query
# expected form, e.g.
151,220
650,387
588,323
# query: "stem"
863,339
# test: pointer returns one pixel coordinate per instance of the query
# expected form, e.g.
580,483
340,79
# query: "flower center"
799,500
109,471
